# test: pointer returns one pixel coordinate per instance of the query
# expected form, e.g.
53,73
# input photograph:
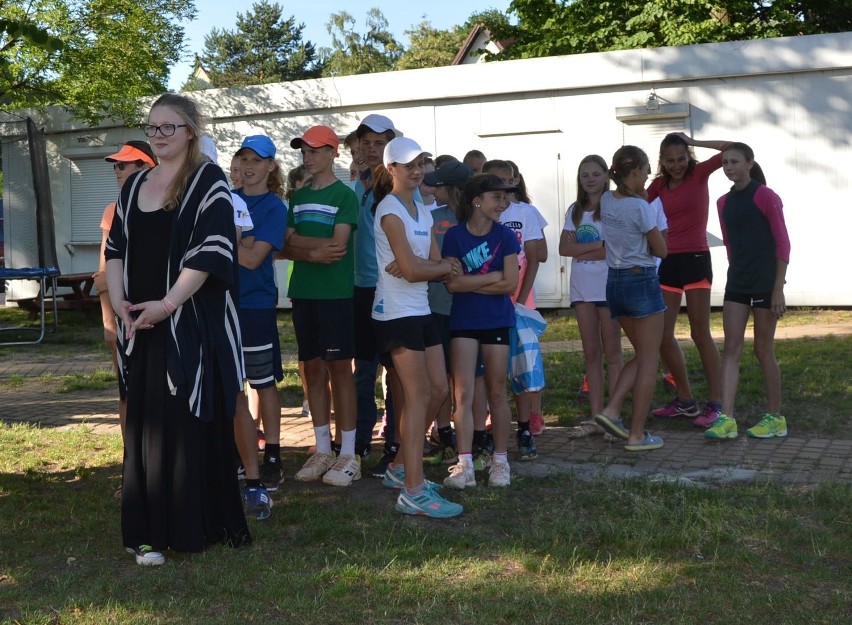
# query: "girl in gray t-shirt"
633,292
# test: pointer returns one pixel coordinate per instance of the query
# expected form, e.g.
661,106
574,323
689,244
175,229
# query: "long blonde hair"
188,111
275,181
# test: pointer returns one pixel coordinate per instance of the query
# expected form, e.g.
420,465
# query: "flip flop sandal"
648,443
612,426
585,429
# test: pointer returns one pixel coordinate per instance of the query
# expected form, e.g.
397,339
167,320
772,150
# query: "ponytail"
625,160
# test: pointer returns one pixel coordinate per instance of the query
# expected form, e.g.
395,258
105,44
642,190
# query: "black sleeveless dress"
180,489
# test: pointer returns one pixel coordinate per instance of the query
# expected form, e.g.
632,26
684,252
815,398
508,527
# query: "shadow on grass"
544,551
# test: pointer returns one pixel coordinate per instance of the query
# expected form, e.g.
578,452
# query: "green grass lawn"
543,551
816,386
555,550
82,334
817,382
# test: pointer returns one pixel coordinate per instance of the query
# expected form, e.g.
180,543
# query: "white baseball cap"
402,150
376,123
208,149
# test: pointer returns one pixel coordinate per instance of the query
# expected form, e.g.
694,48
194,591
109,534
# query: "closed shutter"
649,135
92,188
341,171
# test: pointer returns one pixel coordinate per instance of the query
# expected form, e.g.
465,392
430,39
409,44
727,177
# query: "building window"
92,188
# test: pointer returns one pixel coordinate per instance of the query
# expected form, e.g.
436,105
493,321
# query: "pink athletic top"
687,207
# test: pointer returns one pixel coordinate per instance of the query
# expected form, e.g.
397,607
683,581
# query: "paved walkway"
686,457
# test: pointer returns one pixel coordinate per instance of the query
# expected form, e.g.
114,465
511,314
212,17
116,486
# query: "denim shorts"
634,292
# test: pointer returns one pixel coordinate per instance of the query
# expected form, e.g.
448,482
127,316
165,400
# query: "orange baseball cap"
317,137
133,151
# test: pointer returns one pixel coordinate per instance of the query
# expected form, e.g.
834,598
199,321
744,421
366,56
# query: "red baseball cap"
317,137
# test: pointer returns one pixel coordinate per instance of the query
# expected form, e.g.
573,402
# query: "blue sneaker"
258,503
526,446
427,503
394,477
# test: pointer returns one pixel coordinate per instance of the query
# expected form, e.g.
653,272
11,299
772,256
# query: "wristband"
168,307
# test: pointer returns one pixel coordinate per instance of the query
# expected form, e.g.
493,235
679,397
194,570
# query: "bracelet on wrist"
168,307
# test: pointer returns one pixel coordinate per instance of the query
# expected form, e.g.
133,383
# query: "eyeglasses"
166,130
121,166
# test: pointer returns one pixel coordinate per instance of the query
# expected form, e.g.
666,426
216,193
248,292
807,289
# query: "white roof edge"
651,66
579,71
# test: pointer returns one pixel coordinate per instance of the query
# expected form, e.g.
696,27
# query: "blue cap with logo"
260,145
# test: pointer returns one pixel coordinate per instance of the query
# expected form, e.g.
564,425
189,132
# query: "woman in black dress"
171,272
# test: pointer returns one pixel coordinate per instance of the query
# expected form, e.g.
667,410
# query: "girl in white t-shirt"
582,239
408,258
633,242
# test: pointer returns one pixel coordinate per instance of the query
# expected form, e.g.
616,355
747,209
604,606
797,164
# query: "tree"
430,47
352,53
96,58
263,48
552,27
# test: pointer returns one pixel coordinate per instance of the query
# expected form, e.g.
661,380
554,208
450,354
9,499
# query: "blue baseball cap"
260,145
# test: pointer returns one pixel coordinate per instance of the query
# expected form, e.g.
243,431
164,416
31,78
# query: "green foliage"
430,47
491,19
553,27
96,58
15,29
263,48
352,53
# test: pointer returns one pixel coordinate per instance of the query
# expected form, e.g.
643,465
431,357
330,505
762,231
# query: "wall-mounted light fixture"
653,102
655,107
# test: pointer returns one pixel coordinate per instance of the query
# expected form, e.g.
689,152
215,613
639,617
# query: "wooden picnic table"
82,296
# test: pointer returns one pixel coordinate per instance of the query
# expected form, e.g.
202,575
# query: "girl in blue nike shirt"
481,316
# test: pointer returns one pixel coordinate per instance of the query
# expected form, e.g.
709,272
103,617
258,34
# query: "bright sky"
401,15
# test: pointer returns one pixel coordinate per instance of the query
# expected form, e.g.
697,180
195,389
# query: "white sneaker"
306,409
315,467
499,474
344,471
461,476
146,556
